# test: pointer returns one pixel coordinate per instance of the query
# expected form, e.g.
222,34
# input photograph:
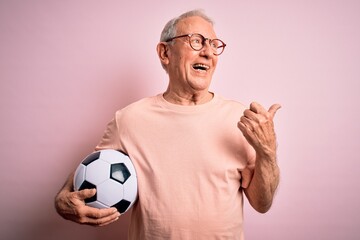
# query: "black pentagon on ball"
92,157
122,206
88,185
119,172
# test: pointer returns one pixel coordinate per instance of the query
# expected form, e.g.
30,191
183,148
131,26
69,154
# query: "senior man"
195,152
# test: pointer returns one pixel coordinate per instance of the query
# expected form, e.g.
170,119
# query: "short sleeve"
110,139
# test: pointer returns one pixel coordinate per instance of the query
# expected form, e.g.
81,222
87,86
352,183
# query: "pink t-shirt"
189,161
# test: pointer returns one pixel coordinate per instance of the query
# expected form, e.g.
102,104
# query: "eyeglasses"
197,42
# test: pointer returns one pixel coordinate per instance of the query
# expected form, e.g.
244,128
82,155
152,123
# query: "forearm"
68,186
264,183
59,198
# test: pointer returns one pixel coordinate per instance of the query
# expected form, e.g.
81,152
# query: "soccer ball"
113,175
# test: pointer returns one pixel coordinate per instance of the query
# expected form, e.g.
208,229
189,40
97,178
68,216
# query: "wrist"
267,155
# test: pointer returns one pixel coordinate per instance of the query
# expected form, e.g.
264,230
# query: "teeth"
199,66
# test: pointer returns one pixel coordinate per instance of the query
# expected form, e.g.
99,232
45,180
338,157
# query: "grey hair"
169,30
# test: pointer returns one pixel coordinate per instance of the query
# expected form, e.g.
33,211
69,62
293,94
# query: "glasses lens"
218,46
196,41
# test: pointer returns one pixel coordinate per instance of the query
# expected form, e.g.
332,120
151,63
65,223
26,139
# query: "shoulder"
230,105
138,107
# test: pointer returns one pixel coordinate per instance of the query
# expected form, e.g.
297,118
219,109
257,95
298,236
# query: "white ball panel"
112,156
110,192
97,204
131,189
97,172
79,176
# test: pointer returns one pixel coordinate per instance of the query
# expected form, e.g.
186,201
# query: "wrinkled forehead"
195,24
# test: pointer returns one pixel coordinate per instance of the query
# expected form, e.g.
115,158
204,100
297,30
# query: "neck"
188,99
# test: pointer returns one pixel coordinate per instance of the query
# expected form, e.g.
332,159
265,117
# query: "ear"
162,51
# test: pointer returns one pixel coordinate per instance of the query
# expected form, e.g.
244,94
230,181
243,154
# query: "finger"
247,122
86,193
257,108
96,213
108,222
102,217
250,114
248,133
273,109
110,219
244,129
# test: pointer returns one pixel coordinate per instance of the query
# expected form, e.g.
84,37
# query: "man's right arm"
71,206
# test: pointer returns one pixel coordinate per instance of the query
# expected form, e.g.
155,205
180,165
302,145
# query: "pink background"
66,66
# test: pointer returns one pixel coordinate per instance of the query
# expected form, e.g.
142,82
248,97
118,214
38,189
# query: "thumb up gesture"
257,126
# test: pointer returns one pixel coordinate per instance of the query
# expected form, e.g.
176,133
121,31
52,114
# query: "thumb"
86,193
273,109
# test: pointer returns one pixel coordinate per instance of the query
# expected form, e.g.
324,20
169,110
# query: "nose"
207,51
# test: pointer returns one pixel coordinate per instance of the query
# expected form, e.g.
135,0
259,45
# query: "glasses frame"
204,39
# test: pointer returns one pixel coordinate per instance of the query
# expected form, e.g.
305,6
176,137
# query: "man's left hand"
258,128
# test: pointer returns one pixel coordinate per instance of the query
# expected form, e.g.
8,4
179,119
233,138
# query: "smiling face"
190,72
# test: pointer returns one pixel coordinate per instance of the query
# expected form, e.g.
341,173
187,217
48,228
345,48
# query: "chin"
200,84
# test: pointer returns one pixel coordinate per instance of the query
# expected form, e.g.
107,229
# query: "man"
195,153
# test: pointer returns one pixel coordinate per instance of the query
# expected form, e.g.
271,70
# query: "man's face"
183,68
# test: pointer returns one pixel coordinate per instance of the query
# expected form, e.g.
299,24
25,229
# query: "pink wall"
66,66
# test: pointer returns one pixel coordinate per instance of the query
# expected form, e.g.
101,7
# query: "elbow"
260,204
262,208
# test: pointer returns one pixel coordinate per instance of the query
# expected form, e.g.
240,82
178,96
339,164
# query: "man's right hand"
71,206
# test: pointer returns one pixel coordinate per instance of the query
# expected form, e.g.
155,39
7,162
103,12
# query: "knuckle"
97,214
98,222
81,213
82,220
250,112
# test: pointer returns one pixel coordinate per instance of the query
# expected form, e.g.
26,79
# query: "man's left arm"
257,127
